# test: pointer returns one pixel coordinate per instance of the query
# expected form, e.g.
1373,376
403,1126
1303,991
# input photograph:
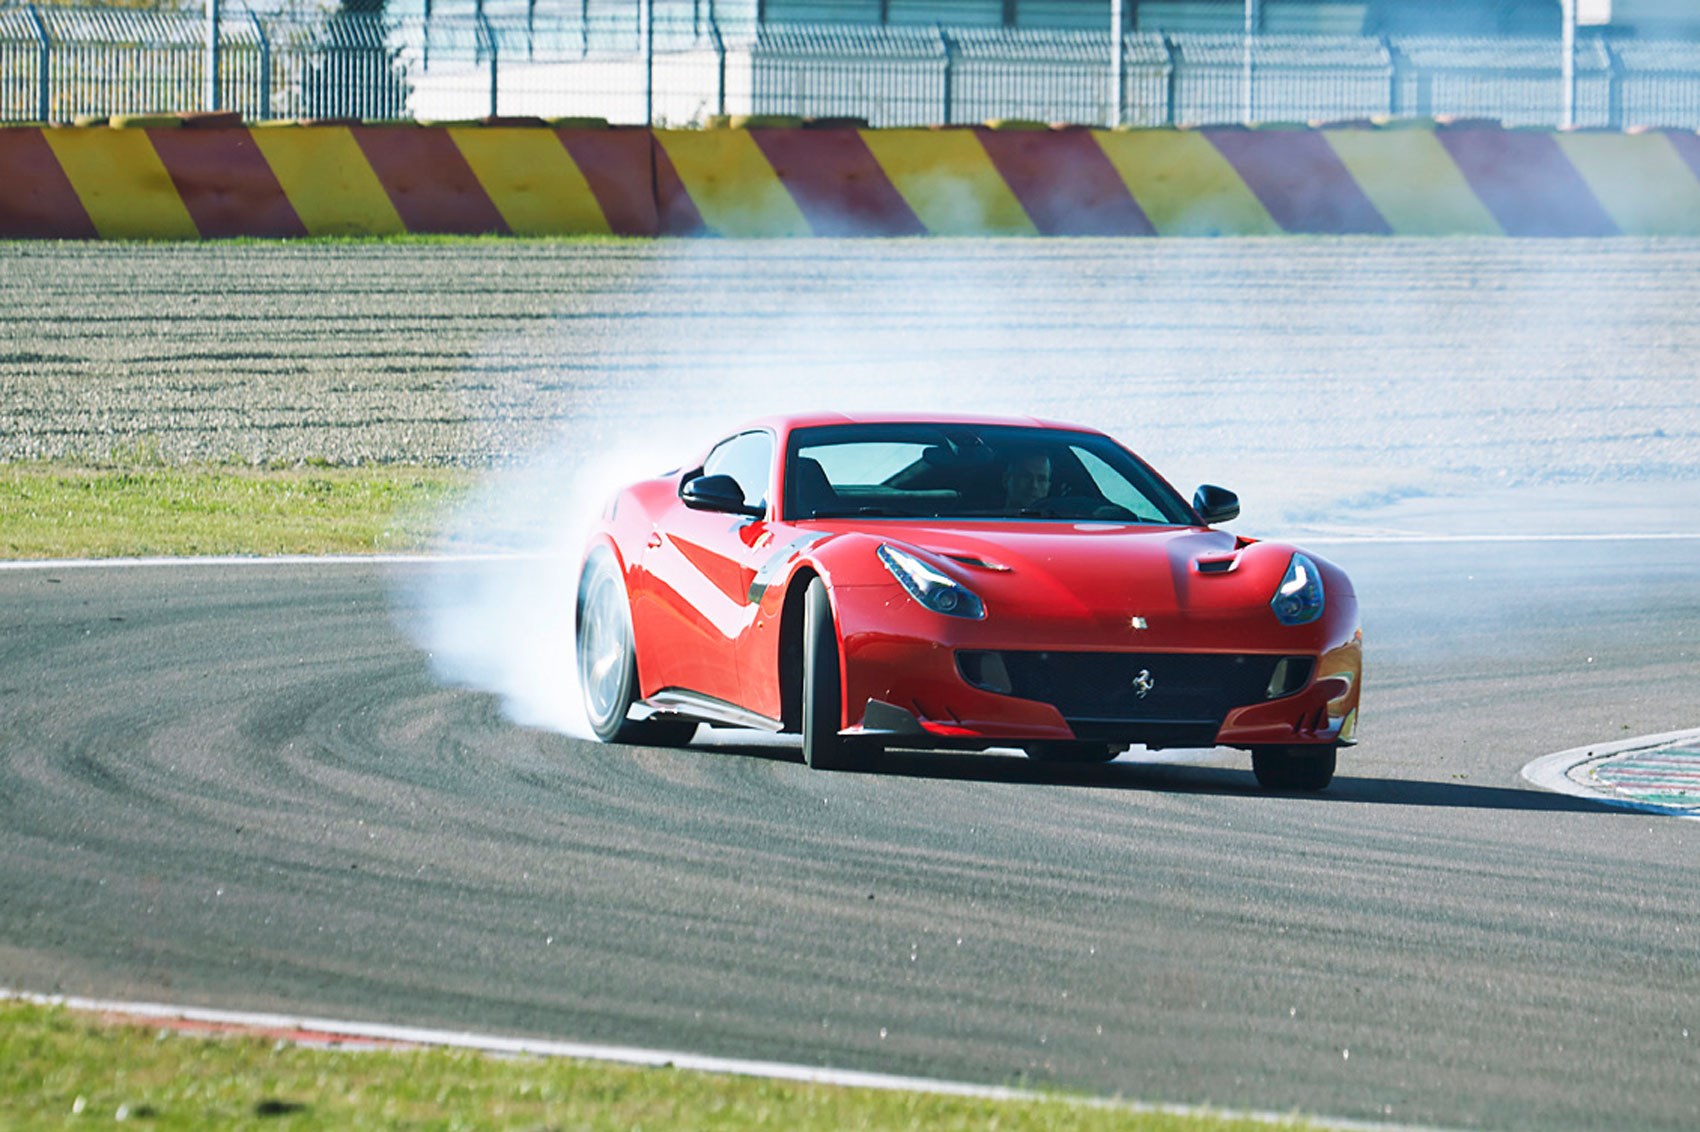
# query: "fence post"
720,63
1395,78
489,35
1253,18
1118,65
949,74
213,98
1567,69
1614,84
1171,81
264,102
44,66
646,29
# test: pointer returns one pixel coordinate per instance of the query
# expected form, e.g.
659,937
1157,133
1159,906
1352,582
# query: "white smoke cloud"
927,338
1335,384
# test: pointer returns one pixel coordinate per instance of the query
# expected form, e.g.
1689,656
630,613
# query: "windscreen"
955,471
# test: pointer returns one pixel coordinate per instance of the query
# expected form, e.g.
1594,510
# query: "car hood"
1105,572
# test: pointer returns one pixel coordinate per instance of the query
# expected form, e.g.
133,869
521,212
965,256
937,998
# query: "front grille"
1106,687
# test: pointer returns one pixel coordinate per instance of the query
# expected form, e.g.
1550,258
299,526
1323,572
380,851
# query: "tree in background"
355,72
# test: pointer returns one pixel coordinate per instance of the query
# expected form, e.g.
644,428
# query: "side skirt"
695,705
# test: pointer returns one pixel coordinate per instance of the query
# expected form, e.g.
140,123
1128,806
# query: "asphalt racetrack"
247,786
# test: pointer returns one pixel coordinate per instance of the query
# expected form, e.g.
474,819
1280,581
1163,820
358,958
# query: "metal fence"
57,64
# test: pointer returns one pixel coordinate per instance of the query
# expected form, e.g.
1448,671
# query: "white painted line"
633,1055
1400,540
428,558
1553,772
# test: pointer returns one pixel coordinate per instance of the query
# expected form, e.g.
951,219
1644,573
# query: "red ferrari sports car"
878,581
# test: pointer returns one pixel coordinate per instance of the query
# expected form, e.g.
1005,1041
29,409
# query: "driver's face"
1028,481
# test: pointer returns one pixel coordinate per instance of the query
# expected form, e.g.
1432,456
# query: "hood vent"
1222,563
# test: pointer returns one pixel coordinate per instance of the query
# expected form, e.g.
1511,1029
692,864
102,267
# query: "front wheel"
1307,769
607,664
823,697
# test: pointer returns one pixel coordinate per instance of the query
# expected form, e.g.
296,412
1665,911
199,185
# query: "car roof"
786,422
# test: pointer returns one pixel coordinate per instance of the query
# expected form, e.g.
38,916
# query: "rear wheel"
1069,751
1293,768
823,707
607,663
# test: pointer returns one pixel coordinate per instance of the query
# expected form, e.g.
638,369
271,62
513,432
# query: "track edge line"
323,1028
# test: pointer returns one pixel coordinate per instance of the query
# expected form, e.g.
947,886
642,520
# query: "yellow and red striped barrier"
172,182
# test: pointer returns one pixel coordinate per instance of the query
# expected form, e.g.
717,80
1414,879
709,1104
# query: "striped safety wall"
188,182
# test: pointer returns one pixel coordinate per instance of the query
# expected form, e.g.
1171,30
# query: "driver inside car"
1026,481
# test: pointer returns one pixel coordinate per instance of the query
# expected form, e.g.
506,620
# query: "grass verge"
55,510
61,1069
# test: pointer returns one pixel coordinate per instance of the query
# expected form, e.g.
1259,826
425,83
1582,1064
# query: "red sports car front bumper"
976,683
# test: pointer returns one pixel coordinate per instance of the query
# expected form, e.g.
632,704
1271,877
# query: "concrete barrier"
155,180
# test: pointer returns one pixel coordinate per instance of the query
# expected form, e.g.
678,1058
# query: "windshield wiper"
858,512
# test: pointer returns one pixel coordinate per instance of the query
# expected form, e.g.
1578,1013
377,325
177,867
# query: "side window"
747,458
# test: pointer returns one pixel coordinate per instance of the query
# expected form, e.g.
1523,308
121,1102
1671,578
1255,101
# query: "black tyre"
1062,751
1293,768
823,708
607,663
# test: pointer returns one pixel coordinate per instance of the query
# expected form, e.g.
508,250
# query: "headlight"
938,592
1298,601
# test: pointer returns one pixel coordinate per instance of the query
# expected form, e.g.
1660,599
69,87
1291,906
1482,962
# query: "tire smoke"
1340,387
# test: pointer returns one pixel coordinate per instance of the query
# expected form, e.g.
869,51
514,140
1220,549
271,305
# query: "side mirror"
1215,504
717,493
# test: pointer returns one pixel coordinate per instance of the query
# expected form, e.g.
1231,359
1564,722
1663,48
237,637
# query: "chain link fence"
61,64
